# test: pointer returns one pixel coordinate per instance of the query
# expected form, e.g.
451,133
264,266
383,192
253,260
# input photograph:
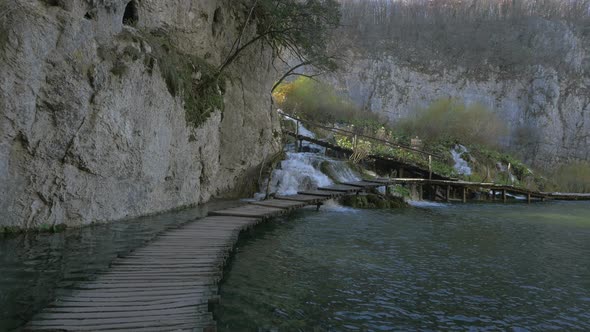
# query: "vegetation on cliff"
295,29
440,127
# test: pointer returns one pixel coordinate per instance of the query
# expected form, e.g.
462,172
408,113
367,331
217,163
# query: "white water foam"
302,171
304,132
461,165
332,205
426,204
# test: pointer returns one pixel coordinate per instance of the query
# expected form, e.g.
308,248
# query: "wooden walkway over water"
171,284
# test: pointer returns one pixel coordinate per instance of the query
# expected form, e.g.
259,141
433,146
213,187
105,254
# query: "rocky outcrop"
546,107
89,128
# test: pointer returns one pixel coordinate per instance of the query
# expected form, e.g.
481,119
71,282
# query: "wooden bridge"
426,178
171,284
460,190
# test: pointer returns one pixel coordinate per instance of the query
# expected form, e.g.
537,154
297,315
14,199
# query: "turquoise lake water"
481,267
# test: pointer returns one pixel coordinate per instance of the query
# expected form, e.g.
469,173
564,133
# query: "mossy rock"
45,228
10,230
373,201
188,76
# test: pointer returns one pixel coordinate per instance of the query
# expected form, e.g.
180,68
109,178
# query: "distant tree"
298,29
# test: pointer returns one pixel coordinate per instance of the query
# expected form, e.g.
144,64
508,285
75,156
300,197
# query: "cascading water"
299,171
301,130
305,171
461,165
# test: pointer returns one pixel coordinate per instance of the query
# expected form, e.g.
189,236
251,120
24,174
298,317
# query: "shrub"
574,177
452,120
188,76
318,102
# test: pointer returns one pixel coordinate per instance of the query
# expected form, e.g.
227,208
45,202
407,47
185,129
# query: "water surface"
34,267
474,266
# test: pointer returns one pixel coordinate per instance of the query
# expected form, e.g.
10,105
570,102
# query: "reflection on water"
478,266
32,266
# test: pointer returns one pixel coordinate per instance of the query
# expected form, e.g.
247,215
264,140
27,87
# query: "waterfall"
305,171
308,146
461,165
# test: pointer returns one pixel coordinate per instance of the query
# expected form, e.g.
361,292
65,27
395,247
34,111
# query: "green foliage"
318,102
452,120
295,28
485,164
574,177
43,228
3,36
119,68
9,230
46,228
401,191
299,26
372,201
439,166
188,76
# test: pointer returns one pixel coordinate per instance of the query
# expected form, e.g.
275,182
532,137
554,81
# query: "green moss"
119,68
401,191
327,170
4,35
132,52
43,228
10,230
373,201
189,76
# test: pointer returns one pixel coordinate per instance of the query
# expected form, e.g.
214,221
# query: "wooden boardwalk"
171,283
495,189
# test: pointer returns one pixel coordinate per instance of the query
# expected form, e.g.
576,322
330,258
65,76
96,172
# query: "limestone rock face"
546,108
87,138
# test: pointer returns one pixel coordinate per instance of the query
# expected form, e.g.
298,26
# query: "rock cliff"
547,107
91,127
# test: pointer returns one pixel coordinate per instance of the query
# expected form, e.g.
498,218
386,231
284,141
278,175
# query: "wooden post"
421,192
448,193
493,195
429,167
504,195
464,194
528,198
297,146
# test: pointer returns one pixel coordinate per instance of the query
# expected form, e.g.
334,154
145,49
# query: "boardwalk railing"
352,134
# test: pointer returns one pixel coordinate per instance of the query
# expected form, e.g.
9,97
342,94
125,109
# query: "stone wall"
88,138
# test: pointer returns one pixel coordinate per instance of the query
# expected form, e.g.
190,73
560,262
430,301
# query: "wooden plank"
165,285
280,204
341,187
382,181
363,184
249,211
309,199
322,193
